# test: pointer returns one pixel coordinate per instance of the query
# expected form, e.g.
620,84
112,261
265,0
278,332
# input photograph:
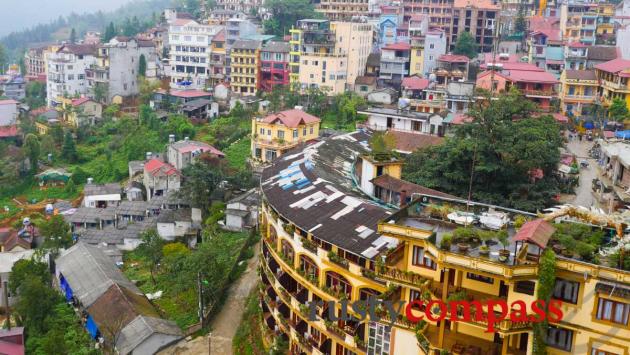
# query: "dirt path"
226,322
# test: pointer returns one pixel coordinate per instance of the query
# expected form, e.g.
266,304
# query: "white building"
189,55
101,196
65,71
434,47
118,64
8,112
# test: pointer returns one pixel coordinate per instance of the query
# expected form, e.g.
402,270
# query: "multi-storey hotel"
324,239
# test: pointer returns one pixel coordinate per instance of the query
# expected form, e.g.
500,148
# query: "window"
268,132
295,133
281,134
559,338
311,130
304,131
480,278
613,311
601,352
420,258
526,287
566,291
378,339
262,131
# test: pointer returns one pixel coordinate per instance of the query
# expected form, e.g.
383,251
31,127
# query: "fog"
19,14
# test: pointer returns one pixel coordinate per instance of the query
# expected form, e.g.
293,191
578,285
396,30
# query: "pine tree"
73,36
142,66
69,149
110,32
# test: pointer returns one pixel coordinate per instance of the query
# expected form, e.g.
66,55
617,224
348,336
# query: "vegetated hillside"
144,10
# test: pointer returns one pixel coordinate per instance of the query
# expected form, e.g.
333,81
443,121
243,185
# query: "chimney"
149,155
403,198
171,138
90,180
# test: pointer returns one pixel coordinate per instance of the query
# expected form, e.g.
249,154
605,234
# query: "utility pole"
200,296
5,286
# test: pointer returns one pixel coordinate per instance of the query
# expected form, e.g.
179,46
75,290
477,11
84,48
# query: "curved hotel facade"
324,239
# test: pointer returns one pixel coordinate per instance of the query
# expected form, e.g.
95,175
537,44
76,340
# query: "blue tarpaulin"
65,288
623,134
589,125
91,327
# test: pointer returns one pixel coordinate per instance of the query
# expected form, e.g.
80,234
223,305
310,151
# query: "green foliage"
73,36
34,304
237,153
216,213
202,178
520,24
546,284
142,66
506,144
466,45
3,58
248,337
35,94
32,147
151,249
56,233
180,126
69,149
110,32
286,13
618,110
28,269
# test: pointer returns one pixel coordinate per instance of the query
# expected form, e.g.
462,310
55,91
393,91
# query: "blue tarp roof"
623,134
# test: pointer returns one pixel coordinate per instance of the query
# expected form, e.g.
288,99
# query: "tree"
56,132
35,303
466,45
142,66
501,148
151,249
32,147
110,32
26,269
201,179
546,284
100,92
69,149
56,233
3,58
520,24
73,36
285,13
618,111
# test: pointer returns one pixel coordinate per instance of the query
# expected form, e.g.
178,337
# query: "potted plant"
463,247
446,242
485,236
504,253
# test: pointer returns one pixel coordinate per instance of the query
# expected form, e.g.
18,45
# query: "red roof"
400,46
531,77
515,66
410,142
182,21
8,102
80,101
454,58
537,232
577,45
8,131
198,146
291,118
548,26
219,37
415,83
479,4
560,118
189,94
397,185
491,58
156,166
614,66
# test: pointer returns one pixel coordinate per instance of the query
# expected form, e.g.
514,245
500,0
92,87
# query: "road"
583,193
227,321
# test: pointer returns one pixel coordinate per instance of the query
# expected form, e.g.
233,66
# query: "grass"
237,153
248,338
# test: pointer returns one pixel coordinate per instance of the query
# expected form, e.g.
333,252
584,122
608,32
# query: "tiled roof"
80,101
246,44
515,66
537,231
8,131
602,53
400,46
182,22
277,47
157,167
479,4
614,66
105,189
415,83
580,74
187,94
365,80
78,49
410,142
374,59
219,37
397,185
313,188
291,118
187,146
453,58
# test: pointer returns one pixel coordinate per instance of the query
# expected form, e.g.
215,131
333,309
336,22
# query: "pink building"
536,84
274,65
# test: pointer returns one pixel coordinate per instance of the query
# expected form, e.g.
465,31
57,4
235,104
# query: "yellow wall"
244,76
416,61
271,141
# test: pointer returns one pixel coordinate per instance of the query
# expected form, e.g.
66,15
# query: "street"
583,193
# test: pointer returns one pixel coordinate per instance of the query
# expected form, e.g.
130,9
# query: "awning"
623,134
537,232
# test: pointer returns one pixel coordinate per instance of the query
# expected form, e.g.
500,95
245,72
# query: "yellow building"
324,241
613,78
416,57
605,19
79,111
338,10
275,134
578,90
217,59
329,55
244,75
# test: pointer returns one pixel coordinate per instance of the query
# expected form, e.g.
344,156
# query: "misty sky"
20,14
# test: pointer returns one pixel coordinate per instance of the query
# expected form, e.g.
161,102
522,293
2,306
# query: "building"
578,21
601,54
364,85
425,50
8,112
237,6
13,86
575,56
578,91
389,119
613,80
273,135
218,57
238,28
12,341
451,67
605,31
329,56
110,301
244,67
460,95
189,54
35,62
477,17
544,33
357,250
536,84
440,12
101,196
65,71
241,212
394,63
274,65
183,153
342,10
116,70
79,112
390,19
